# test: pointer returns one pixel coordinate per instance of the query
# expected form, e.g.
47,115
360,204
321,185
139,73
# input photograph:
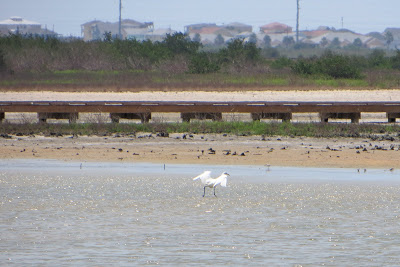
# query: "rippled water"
55,213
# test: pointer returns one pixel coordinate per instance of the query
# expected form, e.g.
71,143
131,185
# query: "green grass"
152,80
340,82
204,127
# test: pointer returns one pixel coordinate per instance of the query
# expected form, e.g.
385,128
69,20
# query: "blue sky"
66,16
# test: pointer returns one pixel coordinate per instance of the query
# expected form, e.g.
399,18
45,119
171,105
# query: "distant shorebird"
268,165
208,181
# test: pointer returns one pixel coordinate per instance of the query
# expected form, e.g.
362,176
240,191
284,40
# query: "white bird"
208,181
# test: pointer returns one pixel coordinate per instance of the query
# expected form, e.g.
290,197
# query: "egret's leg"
204,191
214,192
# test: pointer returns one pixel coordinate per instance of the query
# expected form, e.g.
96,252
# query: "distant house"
238,27
19,25
346,38
195,28
156,35
275,27
95,30
374,43
276,38
209,31
315,33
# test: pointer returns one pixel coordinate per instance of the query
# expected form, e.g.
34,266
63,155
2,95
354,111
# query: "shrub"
3,65
395,61
281,62
377,58
237,52
304,67
179,43
201,63
270,52
330,64
337,66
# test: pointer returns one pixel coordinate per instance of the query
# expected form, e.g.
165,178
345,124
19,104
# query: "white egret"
208,181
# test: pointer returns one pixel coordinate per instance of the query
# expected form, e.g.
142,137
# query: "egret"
208,181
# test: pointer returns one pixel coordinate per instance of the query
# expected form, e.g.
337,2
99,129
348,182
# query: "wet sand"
208,149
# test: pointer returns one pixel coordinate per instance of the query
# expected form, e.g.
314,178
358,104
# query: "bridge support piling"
186,117
2,116
143,117
353,116
392,116
283,116
71,117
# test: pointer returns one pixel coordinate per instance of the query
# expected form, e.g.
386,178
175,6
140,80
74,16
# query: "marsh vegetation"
178,63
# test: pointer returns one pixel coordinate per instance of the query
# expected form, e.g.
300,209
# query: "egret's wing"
203,177
220,180
223,182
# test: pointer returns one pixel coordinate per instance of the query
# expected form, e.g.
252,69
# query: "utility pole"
297,23
119,25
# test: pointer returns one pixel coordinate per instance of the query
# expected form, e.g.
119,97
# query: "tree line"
176,53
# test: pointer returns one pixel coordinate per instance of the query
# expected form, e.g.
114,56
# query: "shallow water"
54,213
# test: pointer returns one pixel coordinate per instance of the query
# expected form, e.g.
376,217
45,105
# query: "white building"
18,25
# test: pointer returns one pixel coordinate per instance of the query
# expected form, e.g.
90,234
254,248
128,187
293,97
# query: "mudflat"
208,149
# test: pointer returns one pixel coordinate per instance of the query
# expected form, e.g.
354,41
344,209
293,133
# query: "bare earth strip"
337,95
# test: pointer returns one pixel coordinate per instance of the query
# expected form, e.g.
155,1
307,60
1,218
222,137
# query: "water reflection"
143,214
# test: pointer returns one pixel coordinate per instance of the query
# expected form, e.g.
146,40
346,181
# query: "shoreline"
356,153
208,149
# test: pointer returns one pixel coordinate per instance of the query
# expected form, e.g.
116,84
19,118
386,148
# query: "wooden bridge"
200,109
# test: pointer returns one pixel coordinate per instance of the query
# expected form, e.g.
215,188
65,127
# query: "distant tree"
197,38
357,42
107,37
201,63
288,41
238,52
267,41
333,65
219,40
3,65
395,60
377,58
253,38
270,52
301,45
179,43
388,38
324,42
335,43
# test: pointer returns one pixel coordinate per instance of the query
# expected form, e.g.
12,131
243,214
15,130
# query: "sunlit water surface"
54,213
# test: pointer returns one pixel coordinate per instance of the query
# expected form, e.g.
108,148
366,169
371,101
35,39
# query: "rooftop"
18,21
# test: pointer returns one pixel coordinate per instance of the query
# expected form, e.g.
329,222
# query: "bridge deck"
349,110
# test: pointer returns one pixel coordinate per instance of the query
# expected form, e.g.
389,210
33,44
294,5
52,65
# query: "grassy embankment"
372,131
133,81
